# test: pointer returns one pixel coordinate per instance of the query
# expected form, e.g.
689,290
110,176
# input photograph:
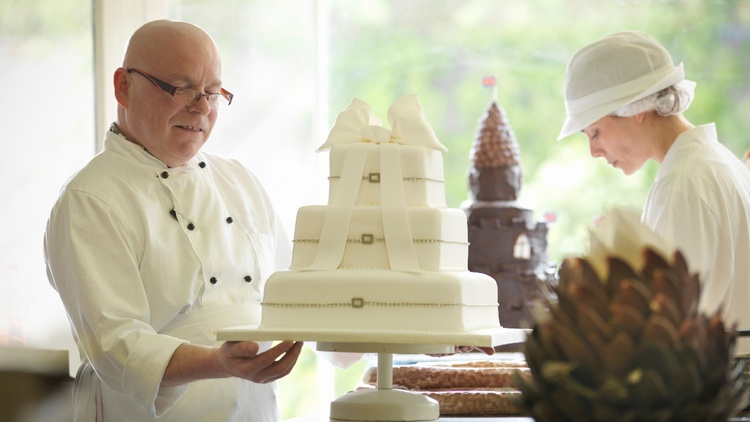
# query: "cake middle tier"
378,300
438,235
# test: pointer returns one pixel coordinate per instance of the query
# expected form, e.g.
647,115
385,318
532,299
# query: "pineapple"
630,346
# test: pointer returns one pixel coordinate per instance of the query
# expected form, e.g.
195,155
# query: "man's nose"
201,105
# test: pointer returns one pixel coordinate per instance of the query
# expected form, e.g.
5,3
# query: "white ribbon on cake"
357,123
358,126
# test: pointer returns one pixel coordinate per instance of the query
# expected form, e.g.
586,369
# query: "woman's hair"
671,100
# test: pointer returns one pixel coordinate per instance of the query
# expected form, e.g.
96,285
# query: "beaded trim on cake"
368,239
375,178
359,303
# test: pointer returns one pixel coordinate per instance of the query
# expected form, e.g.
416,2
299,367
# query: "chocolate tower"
505,242
495,174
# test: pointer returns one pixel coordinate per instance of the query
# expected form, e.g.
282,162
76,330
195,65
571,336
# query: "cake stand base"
384,405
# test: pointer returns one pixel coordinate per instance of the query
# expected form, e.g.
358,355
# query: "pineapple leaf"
634,294
572,346
653,261
648,389
617,356
591,321
665,306
627,319
660,329
619,270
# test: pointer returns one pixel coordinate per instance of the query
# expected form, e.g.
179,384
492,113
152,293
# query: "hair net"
672,100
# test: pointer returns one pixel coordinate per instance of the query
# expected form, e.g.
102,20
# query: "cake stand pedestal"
383,403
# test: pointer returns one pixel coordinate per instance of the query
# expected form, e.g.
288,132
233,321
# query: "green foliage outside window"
382,49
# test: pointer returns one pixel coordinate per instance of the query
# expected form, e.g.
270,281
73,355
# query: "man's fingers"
283,354
243,360
279,367
487,350
466,349
271,355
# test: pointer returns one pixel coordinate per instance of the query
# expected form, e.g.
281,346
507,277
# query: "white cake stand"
383,403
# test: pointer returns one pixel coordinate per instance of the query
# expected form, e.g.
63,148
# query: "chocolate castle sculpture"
505,241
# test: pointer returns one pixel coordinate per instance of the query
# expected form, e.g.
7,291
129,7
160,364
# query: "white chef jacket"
146,258
700,202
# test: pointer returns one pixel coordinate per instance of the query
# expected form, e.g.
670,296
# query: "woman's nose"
595,149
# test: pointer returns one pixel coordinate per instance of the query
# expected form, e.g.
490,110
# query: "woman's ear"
640,117
121,85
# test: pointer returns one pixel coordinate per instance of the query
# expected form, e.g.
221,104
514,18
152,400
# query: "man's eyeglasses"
188,96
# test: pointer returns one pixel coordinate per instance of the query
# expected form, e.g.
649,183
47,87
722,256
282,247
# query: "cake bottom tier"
380,300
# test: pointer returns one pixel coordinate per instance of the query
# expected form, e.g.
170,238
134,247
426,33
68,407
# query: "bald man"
154,244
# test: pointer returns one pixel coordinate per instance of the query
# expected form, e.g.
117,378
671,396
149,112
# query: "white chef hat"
613,72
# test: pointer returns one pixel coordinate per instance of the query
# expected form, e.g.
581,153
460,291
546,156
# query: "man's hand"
466,349
241,360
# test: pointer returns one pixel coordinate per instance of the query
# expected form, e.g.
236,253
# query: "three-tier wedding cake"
385,254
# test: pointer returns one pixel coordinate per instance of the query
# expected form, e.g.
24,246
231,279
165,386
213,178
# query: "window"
442,49
269,64
522,247
48,133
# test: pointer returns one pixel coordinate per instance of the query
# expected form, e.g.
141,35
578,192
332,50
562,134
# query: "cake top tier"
357,123
495,144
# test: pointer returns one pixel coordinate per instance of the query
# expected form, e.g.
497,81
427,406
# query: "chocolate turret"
505,242
495,174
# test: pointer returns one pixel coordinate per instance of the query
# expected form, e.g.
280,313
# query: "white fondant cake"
385,253
438,234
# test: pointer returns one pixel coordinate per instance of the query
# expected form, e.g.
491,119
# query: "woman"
625,93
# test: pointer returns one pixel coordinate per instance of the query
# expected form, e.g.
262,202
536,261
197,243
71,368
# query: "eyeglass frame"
172,90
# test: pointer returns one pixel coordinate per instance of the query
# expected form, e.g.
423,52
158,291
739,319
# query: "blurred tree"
441,49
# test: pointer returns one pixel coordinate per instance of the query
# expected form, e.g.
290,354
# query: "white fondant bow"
357,124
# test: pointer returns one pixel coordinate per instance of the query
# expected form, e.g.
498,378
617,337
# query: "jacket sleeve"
96,273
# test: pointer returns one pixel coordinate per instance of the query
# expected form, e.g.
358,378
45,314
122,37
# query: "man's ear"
121,85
